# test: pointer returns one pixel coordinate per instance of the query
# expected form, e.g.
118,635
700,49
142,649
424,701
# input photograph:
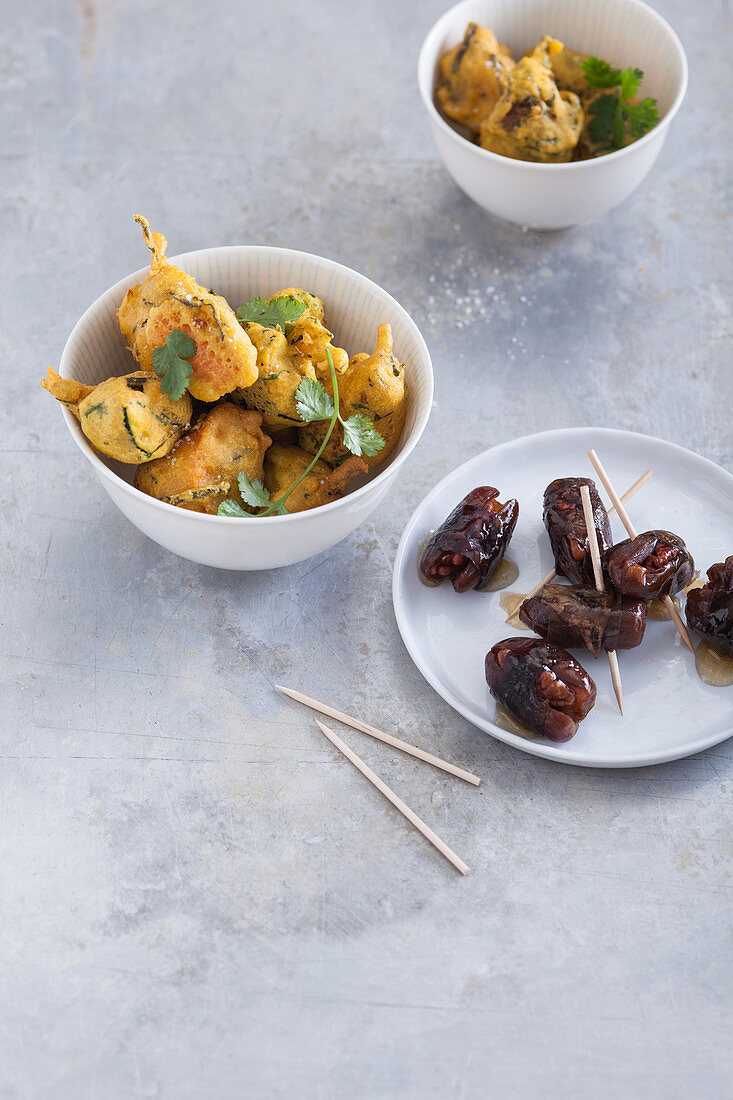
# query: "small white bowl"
354,308
557,196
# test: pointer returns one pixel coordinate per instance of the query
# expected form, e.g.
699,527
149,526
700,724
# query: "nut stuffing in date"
651,566
542,685
470,543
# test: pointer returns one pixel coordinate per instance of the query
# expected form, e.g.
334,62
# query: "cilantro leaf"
361,437
232,508
603,111
282,312
630,81
599,74
642,116
254,492
312,401
613,115
170,363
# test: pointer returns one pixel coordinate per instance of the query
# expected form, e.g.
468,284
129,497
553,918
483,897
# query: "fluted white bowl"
355,306
557,196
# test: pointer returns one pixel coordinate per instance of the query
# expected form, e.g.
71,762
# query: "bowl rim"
428,48
122,285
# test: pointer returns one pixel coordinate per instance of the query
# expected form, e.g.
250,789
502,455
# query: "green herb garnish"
313,403
253,493
614,117
361,437
282,312
170,363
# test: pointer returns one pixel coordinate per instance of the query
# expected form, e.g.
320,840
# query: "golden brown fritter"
374,387
567,69
283,361
285,464
309,336
533,120
201,470
170,299
128,418
472,77
281,370
66,390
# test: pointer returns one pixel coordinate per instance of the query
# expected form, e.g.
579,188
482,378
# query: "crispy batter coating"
281,371
128,418
473,76
66,390
284,361
285,464
201,470
533,120
567,69
374,387
170,299
309,336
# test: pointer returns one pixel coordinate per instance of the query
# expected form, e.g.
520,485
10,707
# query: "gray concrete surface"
199,899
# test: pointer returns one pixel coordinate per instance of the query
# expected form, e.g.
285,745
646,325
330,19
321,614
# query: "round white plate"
669,711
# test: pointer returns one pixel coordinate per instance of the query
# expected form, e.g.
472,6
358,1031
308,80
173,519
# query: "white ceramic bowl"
556,196
354,307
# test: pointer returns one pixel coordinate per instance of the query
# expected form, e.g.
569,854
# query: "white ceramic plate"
669,711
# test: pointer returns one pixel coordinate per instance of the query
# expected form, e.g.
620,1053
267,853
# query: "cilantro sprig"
171,363
614,117
282,312
313,403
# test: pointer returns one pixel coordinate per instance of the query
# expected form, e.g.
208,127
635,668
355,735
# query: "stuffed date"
565,523
710,608
569,615
541,685
471,542
651,566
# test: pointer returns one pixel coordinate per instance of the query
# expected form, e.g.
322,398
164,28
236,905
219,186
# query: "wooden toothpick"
387,738
631,530
595,554
396,801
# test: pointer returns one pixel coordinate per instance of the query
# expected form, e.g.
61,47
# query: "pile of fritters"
239,413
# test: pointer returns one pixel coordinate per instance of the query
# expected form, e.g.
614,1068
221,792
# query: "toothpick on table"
595,554
387,738
553,572
396,801
623,516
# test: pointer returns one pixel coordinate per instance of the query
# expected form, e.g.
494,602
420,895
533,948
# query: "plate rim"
545,749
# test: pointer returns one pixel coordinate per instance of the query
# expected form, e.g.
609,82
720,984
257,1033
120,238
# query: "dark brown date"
568,615
652,565
710,608
541,685
471,542
565,523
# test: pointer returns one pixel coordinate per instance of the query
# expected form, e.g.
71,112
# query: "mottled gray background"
200,899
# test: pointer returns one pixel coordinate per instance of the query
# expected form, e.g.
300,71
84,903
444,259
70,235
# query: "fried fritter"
128,418
201,470
283,361
309,336
473,76
66,390
533,120
285,464
170,299
281,370
374,387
